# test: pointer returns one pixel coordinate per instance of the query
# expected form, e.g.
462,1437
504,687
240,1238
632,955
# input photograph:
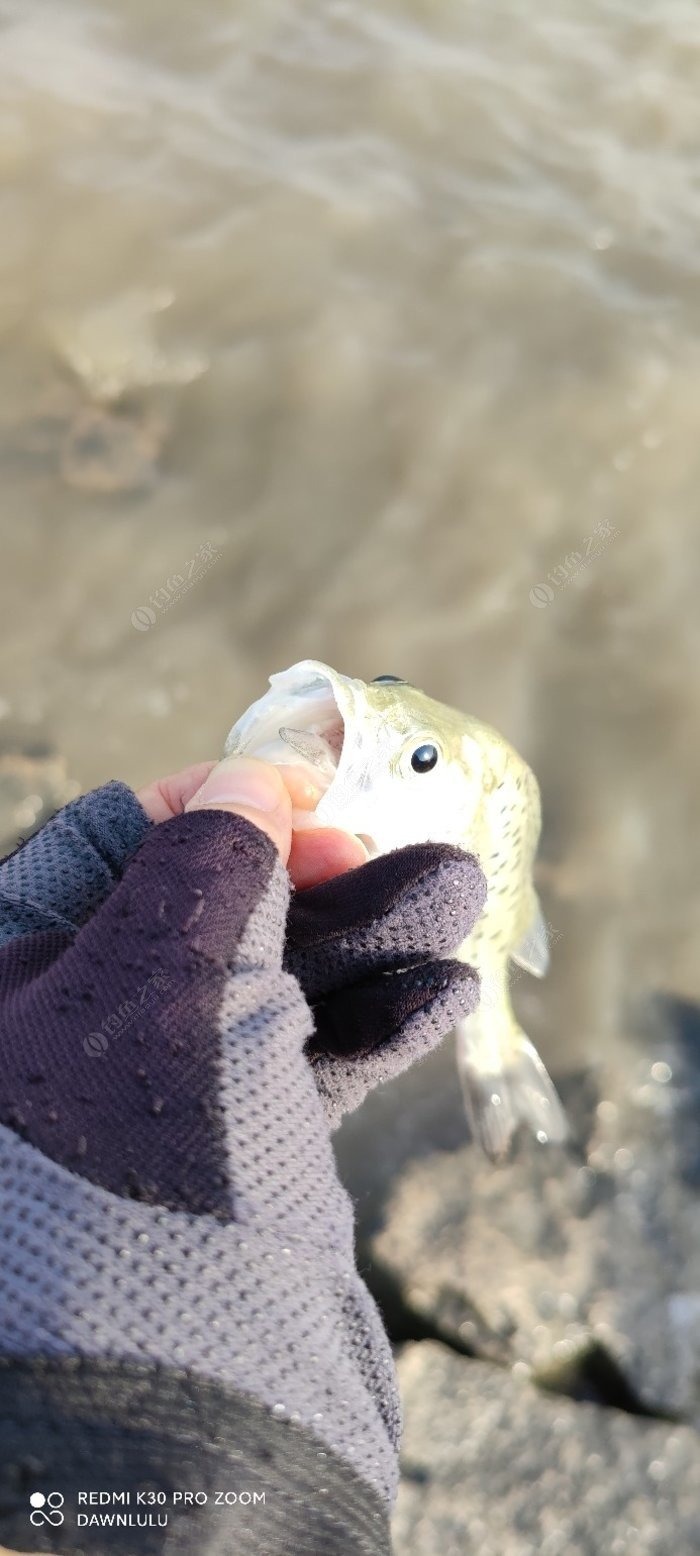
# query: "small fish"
395,767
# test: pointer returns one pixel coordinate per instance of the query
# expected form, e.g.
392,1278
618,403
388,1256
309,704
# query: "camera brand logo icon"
46,1510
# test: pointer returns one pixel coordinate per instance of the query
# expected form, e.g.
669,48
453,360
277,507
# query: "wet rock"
492,1465
34,428
110,451
94,448
568,1262
94,417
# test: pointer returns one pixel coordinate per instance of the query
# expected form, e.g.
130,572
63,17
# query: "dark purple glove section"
148,976
371,951
145,976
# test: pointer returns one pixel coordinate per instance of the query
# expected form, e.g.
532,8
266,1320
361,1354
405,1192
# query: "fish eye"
424,758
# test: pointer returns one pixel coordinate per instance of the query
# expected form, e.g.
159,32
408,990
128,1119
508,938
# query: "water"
426,384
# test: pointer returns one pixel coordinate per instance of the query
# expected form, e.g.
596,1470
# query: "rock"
492,1465
112,451
94,416
583,1266
98,448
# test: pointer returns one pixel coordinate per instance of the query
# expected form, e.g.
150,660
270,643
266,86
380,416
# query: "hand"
161,1117
373,952
369,947
272,798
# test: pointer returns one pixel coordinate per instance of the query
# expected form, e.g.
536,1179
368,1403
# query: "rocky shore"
547,1312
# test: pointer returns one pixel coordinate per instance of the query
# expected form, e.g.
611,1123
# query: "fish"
396,767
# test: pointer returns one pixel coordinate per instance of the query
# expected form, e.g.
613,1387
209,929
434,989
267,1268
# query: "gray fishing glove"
179,1303
368,949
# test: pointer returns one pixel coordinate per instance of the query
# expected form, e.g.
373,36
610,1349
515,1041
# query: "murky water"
393,310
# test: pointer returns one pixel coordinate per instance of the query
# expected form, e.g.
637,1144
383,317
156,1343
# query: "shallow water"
424,390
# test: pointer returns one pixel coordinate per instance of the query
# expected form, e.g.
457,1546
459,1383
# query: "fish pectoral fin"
497,1103
532,952
313,748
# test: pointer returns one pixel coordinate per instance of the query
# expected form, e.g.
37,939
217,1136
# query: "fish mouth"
309,712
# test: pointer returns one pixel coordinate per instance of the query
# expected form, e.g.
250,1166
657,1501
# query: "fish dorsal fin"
532,952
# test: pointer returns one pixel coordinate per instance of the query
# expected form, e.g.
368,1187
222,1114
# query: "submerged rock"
94,448
106,451
492,1465
102,413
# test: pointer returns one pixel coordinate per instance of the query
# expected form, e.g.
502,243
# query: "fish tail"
499,1095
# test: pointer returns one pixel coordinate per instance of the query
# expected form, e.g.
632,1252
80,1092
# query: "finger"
61,874
321,854
317,853
252,789
404,908
401,1026
167,797
303,790
356,1021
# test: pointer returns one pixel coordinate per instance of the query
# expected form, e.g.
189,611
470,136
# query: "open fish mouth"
313,714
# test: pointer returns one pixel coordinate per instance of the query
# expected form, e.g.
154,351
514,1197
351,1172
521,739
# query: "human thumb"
253,789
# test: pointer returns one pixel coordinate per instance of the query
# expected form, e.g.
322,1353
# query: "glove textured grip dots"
100,1424
400,910
230,1255
61,874
112,1062
371,951
170,1201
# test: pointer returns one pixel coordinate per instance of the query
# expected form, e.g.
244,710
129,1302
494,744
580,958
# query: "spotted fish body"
397,767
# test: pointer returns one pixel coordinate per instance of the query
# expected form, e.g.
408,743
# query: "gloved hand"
177,1278
347,940
371,950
